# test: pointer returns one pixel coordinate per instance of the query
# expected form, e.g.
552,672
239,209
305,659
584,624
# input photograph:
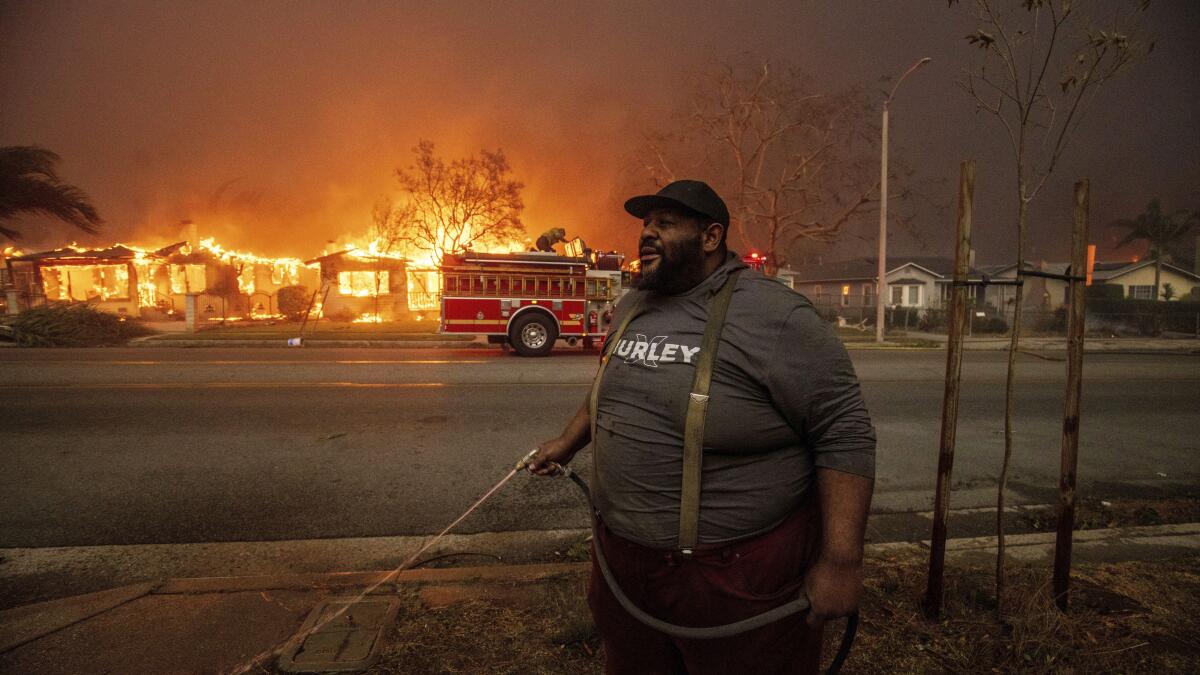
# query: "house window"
422,289
914,296
363,284
817,290
86,282
187,278
846,295
897,295
1141,292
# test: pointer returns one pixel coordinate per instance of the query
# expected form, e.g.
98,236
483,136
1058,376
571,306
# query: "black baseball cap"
690,195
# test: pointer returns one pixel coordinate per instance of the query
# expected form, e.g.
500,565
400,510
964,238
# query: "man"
787,460
549,238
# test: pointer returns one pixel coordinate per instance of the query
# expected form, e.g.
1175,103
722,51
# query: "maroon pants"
708,588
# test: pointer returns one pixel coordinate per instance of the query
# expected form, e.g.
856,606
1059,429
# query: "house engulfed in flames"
138,282
353,284
359,285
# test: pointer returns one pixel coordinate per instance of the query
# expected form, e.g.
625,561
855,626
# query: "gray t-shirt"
784,398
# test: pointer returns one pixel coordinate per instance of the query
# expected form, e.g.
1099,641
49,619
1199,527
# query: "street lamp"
881,283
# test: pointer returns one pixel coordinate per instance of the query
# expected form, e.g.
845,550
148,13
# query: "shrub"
73,325
292,301
901,317
1051,322
933,320
988,324
1105,291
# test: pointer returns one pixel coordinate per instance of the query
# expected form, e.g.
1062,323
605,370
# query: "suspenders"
697,407
689,506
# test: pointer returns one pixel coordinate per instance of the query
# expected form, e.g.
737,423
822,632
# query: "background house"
1137,279
848,286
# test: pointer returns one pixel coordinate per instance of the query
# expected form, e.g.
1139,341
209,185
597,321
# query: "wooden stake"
956,317
1070,433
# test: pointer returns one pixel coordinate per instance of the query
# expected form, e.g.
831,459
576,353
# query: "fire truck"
531,300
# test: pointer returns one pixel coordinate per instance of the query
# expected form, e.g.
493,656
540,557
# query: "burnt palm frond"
29,184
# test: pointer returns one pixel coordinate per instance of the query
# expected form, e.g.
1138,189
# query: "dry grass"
1091,513
1125,618
1133,617
549,631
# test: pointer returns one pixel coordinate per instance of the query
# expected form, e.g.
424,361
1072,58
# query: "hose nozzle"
524,461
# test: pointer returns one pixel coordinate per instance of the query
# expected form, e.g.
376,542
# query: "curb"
449,575
1082,537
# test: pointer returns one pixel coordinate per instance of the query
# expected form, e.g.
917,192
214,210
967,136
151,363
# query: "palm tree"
1159,230
29,183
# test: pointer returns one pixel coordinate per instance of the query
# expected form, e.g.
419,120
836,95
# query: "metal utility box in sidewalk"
349,643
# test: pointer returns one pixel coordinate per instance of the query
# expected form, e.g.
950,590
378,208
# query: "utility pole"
881,282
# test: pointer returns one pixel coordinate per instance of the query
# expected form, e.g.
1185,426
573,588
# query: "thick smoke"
277,126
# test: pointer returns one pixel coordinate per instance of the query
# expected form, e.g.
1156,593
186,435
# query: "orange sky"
276,126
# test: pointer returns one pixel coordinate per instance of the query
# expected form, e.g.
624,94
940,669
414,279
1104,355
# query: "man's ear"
711,237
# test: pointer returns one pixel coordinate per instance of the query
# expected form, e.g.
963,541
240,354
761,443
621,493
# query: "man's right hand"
555,451
560,450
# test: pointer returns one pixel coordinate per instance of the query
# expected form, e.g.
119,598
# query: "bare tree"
451,207
390,232
794,163
1041,64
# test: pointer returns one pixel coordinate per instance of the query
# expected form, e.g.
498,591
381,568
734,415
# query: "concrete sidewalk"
240,624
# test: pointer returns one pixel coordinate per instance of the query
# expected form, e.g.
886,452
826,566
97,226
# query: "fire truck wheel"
533,334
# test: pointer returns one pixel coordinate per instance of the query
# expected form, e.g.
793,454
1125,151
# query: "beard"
679,267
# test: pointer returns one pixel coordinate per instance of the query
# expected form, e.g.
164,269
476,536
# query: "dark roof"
858,268
995,269
1106,271
117,252
357,254
936,264
110,253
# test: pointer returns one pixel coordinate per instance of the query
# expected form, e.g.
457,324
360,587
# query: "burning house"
207,282
118,279
246,283
145,283
357,286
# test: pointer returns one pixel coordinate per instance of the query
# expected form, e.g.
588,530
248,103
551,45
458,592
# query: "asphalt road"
131,446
